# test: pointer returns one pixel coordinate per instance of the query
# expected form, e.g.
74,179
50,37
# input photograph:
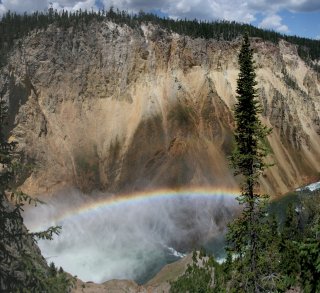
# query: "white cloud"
24,5
238,10
229,9
292,5
274,22
75,5
200,9
2,9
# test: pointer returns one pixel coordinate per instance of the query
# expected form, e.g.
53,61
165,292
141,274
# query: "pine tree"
21,269
10,218
246,234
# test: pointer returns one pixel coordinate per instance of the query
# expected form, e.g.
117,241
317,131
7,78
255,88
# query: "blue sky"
306,24
295,17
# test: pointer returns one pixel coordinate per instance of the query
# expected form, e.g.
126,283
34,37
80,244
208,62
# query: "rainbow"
93,207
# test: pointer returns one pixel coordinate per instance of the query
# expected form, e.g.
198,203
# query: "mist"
132,240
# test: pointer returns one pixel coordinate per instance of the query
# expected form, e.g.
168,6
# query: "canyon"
111,110
117,109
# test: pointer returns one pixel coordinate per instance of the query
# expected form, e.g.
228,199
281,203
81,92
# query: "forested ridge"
14,26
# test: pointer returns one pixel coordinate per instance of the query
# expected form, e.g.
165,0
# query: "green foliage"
310,264
289,251
47,234
248,235
202,276
265,275
289,257
289,265
22,270
309,242
37,279
250,135
300,244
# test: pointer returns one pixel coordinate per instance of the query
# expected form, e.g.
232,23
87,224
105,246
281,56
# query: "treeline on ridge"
14,26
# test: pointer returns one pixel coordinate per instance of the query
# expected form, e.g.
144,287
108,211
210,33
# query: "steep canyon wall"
121,109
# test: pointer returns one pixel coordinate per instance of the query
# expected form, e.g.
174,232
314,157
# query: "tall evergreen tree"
21,268
245,234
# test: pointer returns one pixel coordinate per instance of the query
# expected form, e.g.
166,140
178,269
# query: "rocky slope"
159,284
117,109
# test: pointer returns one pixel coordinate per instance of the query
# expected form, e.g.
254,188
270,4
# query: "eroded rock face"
117,109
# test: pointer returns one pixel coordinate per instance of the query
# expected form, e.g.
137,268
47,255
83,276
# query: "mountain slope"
115,108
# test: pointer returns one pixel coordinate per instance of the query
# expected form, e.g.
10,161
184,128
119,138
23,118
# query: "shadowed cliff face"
117,109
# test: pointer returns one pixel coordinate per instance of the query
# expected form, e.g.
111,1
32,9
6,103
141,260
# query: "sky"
293,17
